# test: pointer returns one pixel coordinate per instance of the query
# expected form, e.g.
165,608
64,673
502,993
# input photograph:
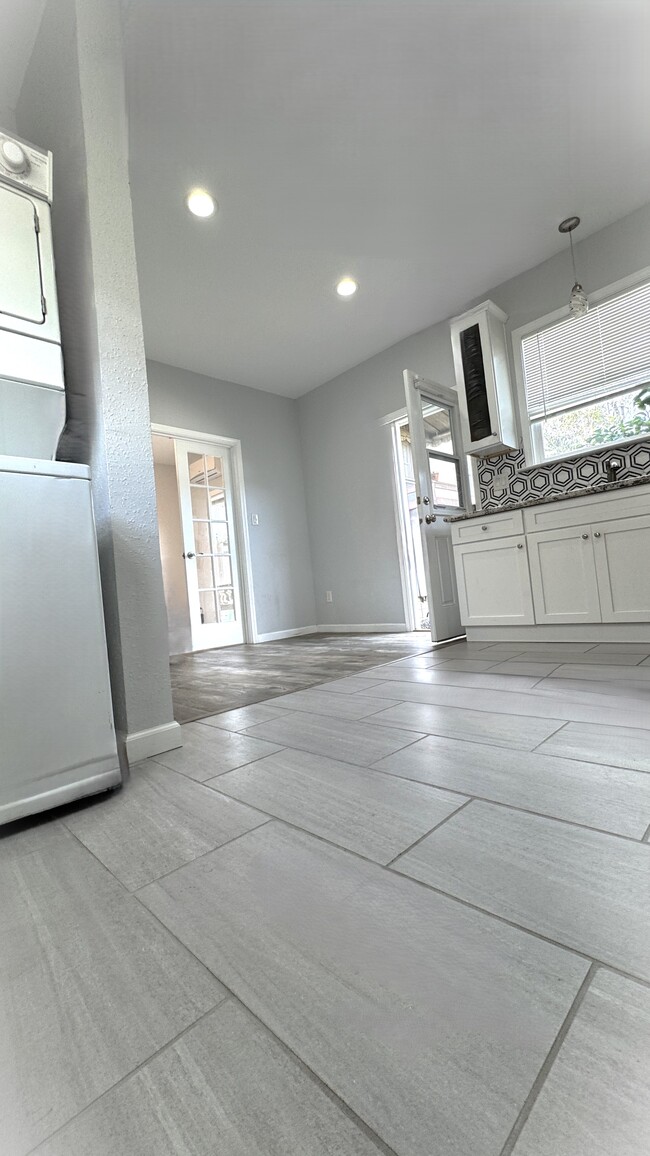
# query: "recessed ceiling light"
200,203
346,287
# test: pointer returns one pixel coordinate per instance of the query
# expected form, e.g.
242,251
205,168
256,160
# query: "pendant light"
578,303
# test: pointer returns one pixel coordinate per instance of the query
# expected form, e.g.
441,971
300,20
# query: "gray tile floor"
405,912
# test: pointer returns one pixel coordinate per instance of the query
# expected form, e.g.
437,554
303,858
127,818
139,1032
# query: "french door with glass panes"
442,489
209,544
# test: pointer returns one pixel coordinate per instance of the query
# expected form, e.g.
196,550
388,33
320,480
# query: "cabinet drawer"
589,509
490,526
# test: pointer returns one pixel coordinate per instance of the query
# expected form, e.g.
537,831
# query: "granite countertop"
600,488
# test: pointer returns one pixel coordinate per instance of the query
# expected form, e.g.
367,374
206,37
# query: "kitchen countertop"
600,488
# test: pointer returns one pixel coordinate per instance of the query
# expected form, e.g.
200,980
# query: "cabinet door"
563,575
494,583
622,554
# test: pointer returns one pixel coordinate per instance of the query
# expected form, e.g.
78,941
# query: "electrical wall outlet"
255,519
501,482
328,596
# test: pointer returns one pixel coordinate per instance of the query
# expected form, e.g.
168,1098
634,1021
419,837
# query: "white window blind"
584,359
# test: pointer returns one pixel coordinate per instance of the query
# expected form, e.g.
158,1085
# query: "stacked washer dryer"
57,739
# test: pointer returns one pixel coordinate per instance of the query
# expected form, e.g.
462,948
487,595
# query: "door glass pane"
220,541
204,573
444,482
199,502
197,472
437,426
208,606
202,537
222,572
218,505
226,604
214,470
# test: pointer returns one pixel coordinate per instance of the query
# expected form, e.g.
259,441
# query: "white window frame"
531,437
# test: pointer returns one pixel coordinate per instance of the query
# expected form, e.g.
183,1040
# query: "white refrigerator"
57,740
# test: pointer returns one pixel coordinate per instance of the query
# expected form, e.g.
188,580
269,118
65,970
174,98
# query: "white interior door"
209,544
442,489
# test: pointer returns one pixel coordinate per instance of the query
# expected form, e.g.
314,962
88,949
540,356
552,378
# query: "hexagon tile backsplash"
569,476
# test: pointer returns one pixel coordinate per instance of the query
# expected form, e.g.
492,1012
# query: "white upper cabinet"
478,339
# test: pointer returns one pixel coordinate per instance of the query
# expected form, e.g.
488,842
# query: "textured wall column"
73,102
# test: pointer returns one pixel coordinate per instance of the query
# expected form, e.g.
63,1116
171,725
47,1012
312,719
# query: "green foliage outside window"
632,427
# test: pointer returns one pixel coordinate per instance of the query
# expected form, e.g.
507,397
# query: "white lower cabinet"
577,562
622,560
563,575
494,583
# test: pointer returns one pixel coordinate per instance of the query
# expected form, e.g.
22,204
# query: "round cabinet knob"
520,545
14,157
484,527
596,533
584,535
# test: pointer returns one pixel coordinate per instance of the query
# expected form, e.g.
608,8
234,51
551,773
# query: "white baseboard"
144,744
275,634
338,628
565,632
363,628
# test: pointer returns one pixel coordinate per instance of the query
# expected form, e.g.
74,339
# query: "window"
587,379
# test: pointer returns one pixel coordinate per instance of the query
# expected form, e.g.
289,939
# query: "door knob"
430,518
189,555
425,501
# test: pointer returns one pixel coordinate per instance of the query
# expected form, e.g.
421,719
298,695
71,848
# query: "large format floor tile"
353,742
610,695
157,822
227,1087
580,658
501,729
91,987
603,672
609,798
515,703
375,815
211,750
620,746
243,717
443,675
581,888
318,701
430,1019
596,1099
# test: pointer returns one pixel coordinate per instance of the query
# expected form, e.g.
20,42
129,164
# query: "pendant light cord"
573,259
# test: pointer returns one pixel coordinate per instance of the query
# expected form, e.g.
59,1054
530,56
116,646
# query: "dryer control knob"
14,157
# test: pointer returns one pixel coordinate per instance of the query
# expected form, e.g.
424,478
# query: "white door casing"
442,591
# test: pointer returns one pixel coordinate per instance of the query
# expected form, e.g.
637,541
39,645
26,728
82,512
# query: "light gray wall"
347,454
267,426
171,556
72,102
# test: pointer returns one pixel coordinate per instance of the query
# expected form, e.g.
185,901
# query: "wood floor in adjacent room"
402,913
215,680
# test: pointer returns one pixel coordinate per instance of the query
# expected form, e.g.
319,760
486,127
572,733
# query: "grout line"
553,734
523,928
331,1094
545,1069
510,806
446,819
645,838
127,1075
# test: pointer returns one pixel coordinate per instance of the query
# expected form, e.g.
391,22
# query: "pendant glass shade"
578,303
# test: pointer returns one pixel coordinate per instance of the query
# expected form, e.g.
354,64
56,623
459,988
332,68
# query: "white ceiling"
19,23
429,149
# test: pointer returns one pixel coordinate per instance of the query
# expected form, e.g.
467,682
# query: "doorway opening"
203,541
